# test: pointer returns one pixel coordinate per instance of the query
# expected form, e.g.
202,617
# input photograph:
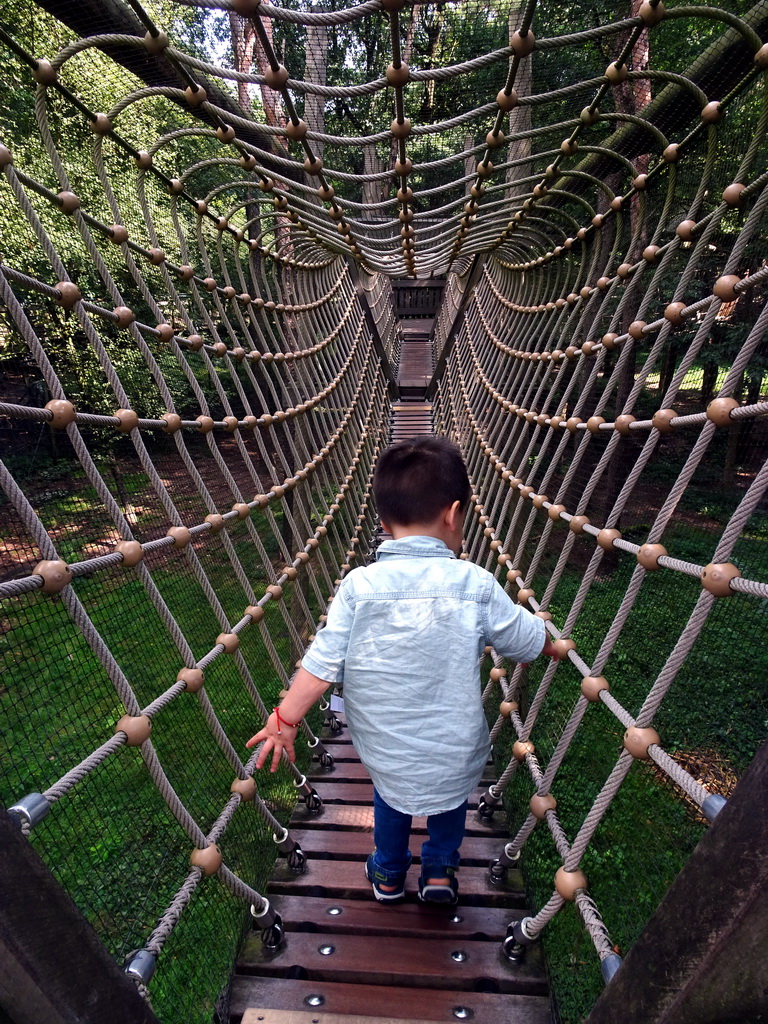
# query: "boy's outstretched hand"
277,737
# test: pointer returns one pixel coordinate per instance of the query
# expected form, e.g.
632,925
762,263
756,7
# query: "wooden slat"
394,1004
269,1016
265,1015
332,792
360,816
379,960
344,845
346,879
366,917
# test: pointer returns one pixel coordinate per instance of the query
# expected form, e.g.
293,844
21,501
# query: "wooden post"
54,967
703,956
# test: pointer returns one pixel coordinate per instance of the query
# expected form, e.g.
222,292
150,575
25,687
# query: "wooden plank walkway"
350,960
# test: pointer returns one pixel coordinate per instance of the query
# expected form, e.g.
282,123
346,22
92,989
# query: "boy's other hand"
276,737
551,651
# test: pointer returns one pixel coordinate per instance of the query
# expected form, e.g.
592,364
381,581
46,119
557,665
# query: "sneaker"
446,892
377,880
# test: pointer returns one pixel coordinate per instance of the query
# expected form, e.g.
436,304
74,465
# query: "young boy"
405,635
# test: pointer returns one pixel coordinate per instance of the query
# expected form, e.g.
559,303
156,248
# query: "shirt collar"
414,547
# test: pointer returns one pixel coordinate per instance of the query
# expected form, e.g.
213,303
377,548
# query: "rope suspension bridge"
217,312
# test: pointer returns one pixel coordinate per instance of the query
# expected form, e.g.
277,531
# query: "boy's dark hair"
418,478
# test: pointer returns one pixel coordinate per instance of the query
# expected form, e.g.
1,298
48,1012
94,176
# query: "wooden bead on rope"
193,679
649,554
397,76
636,742
497,674
242,509
205,424
576,524
716,578
215,521
507,101
127,420
62,413
45,73
276,78
56,575
568,883
636,328
513,575
180,536
124,316
672,153
229,641
522,748
554,512
725,287
733,194
606,538
136,728
155,44
616,72
275,591
541,804
131,550
563,646
524,595
662,420
593,424
507,707
68,202
624,423
719,411
712,112
685,230
245,787
165,333
172,422
246,8
523,45
208,860
593,686
195,95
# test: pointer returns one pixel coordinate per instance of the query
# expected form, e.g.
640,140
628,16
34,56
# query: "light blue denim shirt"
405,636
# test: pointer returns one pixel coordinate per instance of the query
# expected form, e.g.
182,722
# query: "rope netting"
199,352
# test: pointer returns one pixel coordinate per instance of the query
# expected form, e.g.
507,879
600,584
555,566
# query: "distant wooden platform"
350,960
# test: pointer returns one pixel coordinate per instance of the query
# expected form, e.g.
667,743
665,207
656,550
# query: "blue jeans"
392,832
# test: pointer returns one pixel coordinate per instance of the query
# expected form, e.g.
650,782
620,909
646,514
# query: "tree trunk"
372,190
315,69
709,382
519,117
243,40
